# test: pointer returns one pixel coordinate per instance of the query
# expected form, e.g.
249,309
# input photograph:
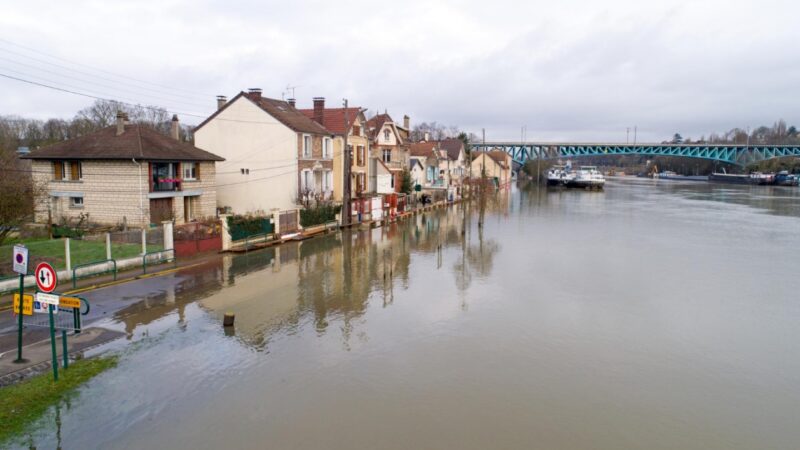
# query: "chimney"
221,100
427,137
292,102
254,93
319,108
175,128
407,122
120,122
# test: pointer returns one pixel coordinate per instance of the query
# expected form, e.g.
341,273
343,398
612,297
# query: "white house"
273,153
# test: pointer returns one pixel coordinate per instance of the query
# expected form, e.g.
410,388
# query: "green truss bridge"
740,155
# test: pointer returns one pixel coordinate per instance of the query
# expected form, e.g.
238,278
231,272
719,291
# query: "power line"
102,70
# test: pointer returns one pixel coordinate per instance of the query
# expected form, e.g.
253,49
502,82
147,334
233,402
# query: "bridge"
740,155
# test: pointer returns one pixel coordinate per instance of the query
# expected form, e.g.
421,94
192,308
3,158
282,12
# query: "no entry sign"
20,259
46,279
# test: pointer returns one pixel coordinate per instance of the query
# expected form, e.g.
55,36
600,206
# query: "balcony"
164,177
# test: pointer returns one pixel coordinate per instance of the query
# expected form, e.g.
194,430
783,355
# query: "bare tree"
18,194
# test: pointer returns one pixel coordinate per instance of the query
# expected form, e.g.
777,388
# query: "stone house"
341,121
276,157
125,174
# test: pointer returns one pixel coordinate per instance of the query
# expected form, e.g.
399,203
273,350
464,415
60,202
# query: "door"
160,210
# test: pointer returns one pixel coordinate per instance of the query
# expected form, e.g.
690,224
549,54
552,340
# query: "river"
651,315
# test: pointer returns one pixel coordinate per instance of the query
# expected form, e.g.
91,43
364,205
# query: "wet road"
651,315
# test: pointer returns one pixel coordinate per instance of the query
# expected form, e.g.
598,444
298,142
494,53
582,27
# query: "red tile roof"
375,124
333,118
138,141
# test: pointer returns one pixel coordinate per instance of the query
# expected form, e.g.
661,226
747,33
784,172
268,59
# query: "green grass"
81,252
25,402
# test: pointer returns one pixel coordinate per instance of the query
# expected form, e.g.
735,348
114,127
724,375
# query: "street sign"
46,279
27,304
69,302
48,299
20,259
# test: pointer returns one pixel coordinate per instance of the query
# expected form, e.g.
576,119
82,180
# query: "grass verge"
25,402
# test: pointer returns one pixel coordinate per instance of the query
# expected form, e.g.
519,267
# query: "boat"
762,179
587,177
729,178
559,176
784,178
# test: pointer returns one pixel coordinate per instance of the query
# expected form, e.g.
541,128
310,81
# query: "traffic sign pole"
53,342
19,330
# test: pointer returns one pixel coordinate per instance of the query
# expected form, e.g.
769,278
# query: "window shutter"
58,170
74,173
197,170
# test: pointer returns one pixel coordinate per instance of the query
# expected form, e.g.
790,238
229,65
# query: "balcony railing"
166,185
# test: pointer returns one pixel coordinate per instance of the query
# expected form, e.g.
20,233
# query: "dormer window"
386,135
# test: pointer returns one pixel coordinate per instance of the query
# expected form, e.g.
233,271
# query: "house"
427,154
385,180
492,164
341,121
453,160
388,145
125,174
276,157
417,172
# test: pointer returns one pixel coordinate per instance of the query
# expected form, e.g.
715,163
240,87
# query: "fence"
197,237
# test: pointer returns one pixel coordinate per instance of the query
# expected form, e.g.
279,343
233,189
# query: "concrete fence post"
67,256
144,241
276,221
108,245
168,237
226,233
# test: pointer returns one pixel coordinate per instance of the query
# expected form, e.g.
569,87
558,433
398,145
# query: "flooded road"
651,315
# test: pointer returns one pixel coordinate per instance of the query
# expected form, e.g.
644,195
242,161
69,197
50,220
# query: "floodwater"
652,315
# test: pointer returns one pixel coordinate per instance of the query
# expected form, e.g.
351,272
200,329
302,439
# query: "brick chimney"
120,123
254,93
407,122
175,128
221,100
292,102
319,108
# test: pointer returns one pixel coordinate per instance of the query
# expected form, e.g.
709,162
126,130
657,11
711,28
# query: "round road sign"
46,279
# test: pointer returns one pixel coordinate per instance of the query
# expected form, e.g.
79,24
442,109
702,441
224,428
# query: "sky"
567,71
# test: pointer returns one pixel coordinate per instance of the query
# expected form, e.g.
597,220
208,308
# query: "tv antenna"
291,89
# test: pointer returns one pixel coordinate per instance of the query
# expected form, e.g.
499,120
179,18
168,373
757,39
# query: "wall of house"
249,138
110,190
206,203
492,169
308,163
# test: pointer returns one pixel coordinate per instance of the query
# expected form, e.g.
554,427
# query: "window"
356,130
306,180
386,135
306,146
76,202
67,170
361,155
189,171
327,181
327,147
387,155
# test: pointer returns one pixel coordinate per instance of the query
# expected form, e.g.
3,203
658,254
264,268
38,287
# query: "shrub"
319,214
240,227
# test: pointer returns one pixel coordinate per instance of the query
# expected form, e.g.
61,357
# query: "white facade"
260,170
385,180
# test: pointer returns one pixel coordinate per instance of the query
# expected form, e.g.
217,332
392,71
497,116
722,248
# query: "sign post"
21,267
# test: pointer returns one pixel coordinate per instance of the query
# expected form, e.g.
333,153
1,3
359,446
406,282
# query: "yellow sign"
27,304
69,302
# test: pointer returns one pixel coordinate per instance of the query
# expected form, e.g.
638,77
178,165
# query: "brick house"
389,144
276,157
340,122
125,173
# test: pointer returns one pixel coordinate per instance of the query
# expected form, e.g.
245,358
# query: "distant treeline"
779,133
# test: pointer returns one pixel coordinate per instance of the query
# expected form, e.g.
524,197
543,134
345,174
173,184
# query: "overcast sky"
568,70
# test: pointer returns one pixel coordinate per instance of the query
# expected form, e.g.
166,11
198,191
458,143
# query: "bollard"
227,321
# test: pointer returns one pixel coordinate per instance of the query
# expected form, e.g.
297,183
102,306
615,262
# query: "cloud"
568,71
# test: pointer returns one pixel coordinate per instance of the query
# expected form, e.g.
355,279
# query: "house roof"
280,110
138,141
423,149
499,156
453,147
333,118
415,162
375,124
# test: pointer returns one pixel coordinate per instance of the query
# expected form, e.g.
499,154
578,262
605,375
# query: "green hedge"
318,215
242,226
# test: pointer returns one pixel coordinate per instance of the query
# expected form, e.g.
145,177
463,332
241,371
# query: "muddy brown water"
651,315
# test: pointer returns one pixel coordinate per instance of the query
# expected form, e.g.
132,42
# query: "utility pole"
346,214
627,135
635,129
